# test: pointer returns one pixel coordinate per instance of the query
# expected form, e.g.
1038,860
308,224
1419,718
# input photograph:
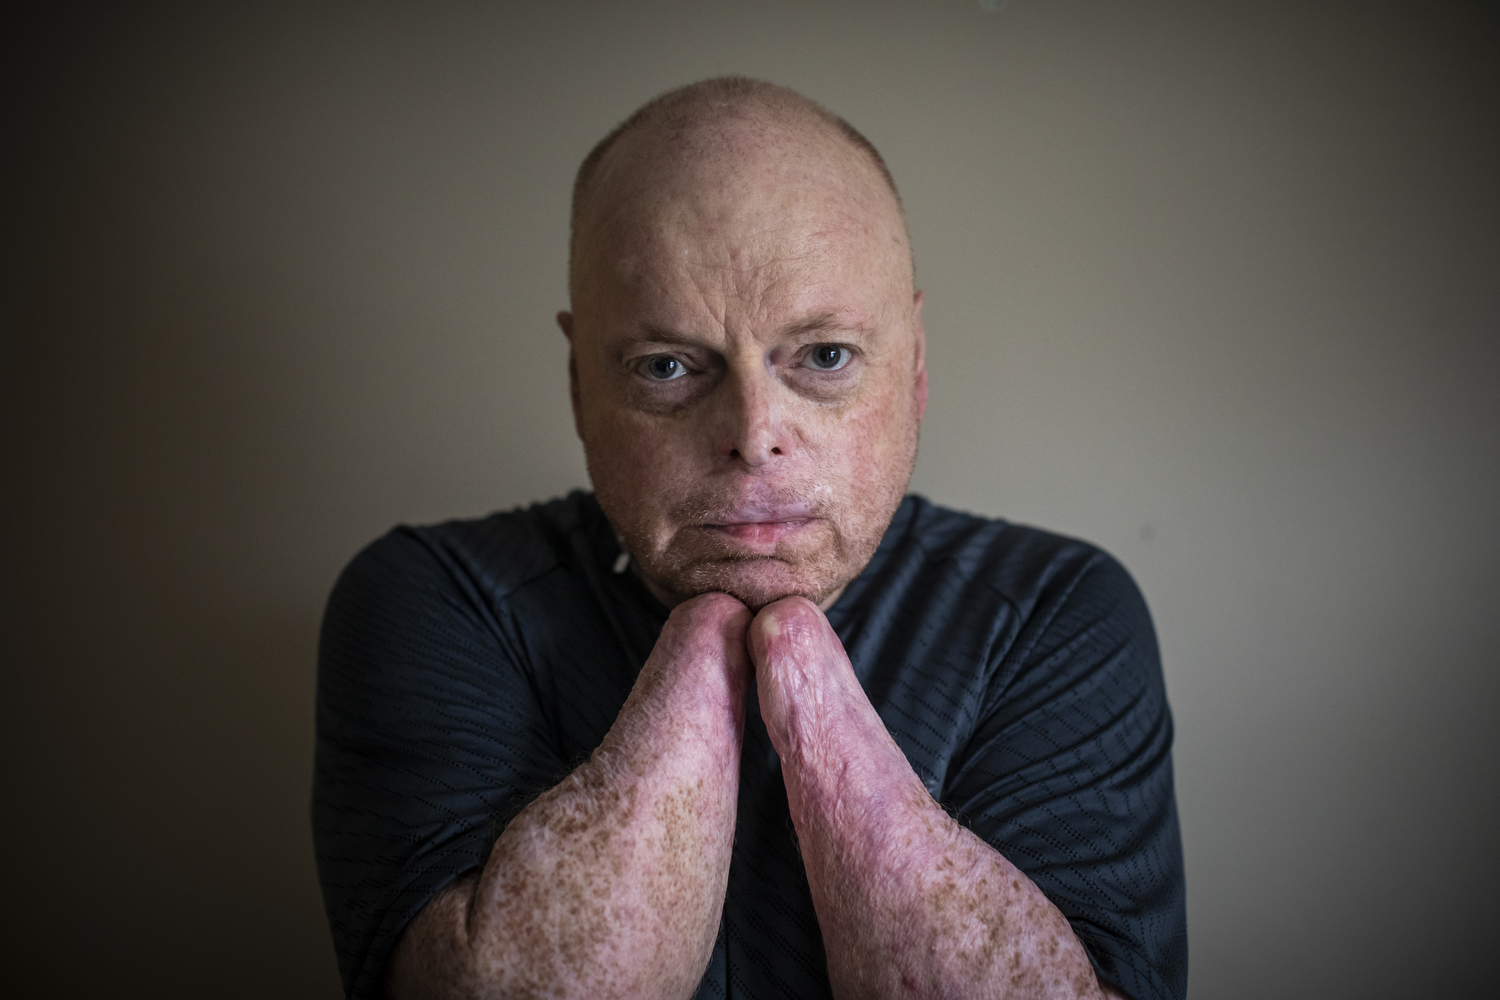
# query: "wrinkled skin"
747,366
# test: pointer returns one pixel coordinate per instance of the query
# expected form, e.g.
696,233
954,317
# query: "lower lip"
759,532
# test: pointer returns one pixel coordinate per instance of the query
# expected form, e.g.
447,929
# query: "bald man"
746,721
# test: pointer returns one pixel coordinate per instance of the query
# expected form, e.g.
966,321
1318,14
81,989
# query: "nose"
751,428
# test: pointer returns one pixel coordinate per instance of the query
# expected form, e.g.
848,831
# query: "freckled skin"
910,903
611,883
716,263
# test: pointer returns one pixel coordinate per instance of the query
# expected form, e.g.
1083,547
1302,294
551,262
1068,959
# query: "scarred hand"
612,882
817,714
909,902
805,680
702,645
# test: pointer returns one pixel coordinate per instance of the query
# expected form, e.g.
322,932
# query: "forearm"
910,903
611,883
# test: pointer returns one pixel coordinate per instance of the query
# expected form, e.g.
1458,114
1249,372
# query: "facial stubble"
690,560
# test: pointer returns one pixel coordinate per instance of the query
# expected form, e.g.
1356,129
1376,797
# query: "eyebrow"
662,335
822,321
813,324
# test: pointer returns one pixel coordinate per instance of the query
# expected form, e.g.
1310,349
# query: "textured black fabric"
466,667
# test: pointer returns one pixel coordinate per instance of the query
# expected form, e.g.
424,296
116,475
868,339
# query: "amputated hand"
611,883
909,902
819,719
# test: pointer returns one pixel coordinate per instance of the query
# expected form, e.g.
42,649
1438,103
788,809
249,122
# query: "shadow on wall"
220,386
168,804
162,643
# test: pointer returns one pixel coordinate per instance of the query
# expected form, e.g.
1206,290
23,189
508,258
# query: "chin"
756,582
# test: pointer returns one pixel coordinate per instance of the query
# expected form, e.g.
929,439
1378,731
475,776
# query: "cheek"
868,445
637,458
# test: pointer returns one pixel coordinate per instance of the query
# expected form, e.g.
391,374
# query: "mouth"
760,527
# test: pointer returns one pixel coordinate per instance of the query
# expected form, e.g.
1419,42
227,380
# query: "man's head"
746,346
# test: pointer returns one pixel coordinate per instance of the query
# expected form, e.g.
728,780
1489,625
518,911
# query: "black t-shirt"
467,667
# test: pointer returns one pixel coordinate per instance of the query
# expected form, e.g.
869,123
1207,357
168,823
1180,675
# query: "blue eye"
664,368
828,357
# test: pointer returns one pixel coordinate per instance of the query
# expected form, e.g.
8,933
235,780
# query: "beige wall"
1214,285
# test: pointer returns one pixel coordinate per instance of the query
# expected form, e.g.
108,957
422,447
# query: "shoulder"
1032,605
991,603
1072,625
1033,570
418,597
488,557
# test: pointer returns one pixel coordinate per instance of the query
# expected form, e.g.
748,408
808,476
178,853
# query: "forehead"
774,247
744,211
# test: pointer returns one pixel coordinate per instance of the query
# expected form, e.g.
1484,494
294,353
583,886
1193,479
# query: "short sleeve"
428,736
1069,776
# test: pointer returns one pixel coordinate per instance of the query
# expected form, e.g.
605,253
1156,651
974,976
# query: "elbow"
437,956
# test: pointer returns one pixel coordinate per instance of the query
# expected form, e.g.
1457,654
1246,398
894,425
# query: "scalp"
725,126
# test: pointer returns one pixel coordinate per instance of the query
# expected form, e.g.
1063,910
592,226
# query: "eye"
828,357
664,368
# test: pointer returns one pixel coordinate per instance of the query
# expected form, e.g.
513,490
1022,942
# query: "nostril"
776,451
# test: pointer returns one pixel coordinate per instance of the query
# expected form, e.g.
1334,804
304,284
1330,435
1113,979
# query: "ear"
921,334
565,324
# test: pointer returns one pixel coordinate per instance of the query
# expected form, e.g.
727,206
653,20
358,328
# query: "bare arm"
611,883
910,903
